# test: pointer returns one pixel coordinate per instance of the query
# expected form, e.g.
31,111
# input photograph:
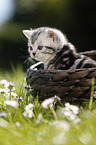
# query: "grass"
26,121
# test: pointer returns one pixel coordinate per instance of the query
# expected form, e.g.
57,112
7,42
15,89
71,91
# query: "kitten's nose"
34,53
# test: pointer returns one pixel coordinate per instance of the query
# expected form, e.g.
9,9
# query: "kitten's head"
44,43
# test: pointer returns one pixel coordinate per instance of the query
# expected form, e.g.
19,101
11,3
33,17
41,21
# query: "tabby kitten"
51,46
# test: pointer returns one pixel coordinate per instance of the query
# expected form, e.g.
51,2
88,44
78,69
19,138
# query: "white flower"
69,115
10,85
28,113
47,102
61,125
39,118
60,139
3,82
11,103
57,98
77,119
18,124
3,114
13,95
3,91
74,108
70,112
3,123
29,107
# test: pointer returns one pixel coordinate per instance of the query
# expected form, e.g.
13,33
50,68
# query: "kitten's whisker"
24,56
46,53
26,61
23,38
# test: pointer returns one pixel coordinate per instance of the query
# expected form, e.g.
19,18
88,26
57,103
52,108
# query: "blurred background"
75,18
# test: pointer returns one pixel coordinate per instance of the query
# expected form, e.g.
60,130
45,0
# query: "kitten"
51,47
43,43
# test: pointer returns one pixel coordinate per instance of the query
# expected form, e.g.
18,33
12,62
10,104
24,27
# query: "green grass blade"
92,94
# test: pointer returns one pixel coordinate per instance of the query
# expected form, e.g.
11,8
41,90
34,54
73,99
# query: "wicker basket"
70,85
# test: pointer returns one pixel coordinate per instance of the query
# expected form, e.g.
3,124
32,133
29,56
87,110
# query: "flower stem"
10,94
92,94
53,111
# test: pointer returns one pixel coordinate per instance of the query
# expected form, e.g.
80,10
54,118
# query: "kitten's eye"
31,48
50,48
40,47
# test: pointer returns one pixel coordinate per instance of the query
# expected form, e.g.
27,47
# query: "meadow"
24,120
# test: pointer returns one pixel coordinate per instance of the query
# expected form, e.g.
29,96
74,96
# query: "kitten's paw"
37,66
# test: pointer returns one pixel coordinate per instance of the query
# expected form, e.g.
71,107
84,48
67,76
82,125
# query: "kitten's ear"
27,33
51,34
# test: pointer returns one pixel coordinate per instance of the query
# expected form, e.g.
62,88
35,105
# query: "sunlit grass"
26,121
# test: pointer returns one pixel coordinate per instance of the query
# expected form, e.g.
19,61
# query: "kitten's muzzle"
34,53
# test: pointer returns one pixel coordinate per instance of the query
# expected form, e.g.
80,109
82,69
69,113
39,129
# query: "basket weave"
70,85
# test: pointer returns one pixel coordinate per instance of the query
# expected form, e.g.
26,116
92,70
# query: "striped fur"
69,59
